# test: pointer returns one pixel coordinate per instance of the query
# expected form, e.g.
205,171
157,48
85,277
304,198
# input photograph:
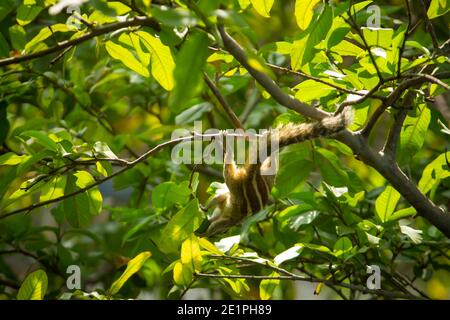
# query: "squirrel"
249,185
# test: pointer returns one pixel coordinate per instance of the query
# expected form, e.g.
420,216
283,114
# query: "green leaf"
386,203
45,33
162,64
208,246
378,37
291,174
34,286
413,134
182,224
342,247
27,13
4,47
188,71
18,37
133,266
263,7
331,168
434,173
304,10
169,193
268,286
174,17
317,34
41,138
118,52
182,274
310,90
102,149
6,6
11,159
190,252
53,189
80,209
403,213
133,41
438,8
193,113
297,52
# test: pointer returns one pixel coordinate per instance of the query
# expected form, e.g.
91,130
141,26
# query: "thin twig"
390,146
137,21
405,36
229,111
430,27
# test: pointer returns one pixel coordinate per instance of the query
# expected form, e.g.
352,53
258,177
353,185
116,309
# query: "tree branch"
405,36
390,146
137,21
229,111
288,101
293,277
430,27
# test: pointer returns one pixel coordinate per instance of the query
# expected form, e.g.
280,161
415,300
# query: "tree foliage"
91,91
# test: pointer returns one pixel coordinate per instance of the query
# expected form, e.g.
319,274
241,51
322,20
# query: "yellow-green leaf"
133,40
118,52
27,13
161,60
11,159
44,33
133,266
208,246
304,12
182,274
434,173
263,7
268,286
182,224
386,203
190,252
34,286
438,8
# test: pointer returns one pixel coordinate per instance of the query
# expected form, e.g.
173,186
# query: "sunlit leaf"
133,266
386,203
182,224
268,286
118,52
161,60
304,10
34,286
263,7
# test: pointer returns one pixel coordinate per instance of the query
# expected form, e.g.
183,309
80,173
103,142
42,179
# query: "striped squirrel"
249,186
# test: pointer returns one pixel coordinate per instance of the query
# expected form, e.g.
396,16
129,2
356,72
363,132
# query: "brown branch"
294,277
390,146
288,101
355,27
405,36
412,80
429,26
317,79
229,111
137,21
